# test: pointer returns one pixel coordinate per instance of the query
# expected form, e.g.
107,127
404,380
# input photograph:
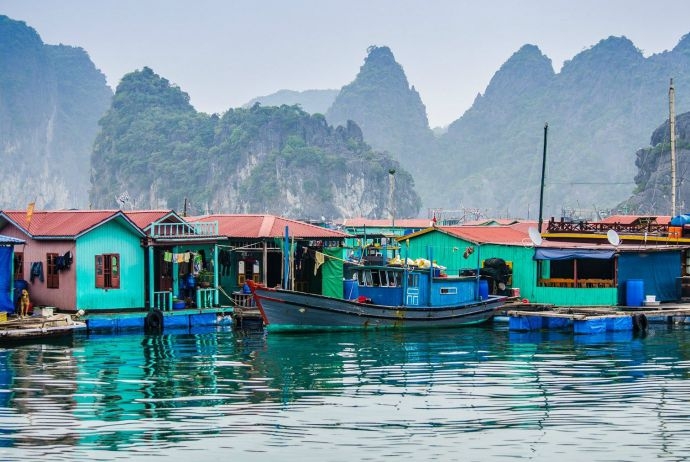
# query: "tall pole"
391,198
672,123
543,171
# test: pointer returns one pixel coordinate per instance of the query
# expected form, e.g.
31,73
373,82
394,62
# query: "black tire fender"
640,323
153,323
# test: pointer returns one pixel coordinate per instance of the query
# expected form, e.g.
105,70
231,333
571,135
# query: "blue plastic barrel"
350,289
634,292
483,289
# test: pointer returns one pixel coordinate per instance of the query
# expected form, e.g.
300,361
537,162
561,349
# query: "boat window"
384,278
365,278
412,280
376,279
449,290
393,279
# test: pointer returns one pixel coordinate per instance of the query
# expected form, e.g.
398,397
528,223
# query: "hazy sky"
225,52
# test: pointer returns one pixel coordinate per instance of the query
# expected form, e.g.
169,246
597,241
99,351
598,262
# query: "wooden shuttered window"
108,271
18,266
52,273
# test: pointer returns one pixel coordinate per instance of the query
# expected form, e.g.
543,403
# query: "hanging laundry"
167,256
36,271
320,258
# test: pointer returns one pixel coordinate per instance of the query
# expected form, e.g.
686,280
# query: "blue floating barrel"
483,289
350,289
634,292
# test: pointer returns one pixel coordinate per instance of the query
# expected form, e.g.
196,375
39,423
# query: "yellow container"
3,316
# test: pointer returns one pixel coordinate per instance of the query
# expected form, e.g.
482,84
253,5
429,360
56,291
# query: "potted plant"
204,278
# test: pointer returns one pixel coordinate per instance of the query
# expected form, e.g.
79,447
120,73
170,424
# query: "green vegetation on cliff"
156,148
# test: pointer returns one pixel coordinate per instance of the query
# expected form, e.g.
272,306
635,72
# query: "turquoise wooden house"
554,272
181,260
89,260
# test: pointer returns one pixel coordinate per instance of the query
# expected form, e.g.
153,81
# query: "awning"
571,254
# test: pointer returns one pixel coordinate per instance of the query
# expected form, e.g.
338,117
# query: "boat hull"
283,309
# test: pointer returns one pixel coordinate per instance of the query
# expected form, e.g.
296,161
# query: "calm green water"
466,394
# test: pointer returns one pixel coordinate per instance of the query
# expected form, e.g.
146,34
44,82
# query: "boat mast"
672,123
543,170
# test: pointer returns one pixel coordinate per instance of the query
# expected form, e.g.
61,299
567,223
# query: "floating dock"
38,328
155,321
592,320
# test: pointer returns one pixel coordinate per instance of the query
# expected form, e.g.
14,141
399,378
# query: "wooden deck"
38,328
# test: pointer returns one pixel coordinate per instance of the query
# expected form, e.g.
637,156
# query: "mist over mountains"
329,152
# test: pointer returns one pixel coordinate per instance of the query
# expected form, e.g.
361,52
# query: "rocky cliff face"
389,111
653,180
51,98
156,151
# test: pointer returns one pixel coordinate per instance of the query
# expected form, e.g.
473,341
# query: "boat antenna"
672,123
543,170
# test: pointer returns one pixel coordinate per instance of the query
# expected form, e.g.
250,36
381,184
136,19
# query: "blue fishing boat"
382,296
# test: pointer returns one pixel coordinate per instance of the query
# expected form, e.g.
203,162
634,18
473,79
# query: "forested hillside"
154,151
600,108
51,97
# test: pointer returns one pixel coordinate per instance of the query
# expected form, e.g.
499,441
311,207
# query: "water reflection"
415,394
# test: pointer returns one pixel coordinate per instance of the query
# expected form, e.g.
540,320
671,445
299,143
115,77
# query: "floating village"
69,271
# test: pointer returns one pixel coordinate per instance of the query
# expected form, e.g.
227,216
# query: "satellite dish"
534,235
613,237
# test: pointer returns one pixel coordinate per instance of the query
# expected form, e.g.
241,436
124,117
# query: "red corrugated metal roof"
261,226
61,223
488,234
399,223
144,218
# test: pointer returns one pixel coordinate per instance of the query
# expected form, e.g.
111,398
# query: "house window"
52,276
579,272
18,266
108,271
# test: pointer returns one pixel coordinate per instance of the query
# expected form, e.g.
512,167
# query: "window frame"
107,271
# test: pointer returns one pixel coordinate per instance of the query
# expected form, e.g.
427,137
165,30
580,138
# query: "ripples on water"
466,394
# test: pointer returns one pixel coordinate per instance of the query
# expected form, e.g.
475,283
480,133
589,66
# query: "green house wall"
448,251
115,236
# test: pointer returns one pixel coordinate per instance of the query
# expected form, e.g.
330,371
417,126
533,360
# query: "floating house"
254,249
563,272
181,260
88,260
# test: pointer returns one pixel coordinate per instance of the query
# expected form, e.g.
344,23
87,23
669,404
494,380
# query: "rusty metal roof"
488,234
263,226
67,224
144,218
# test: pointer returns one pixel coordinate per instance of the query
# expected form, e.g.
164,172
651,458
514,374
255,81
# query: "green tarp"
332,273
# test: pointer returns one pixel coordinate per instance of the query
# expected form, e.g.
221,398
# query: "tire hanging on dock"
153,323
639,322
